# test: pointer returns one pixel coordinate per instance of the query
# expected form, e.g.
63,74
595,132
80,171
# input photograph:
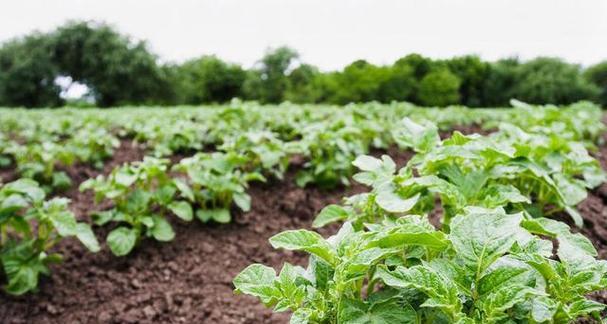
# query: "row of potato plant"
497,257
42,143
255,144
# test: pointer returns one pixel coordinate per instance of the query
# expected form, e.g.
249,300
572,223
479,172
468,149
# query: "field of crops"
359,214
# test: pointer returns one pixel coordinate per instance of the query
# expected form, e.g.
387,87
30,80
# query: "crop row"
41,144
254,143
496,256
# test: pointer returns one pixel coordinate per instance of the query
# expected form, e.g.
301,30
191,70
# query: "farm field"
170,205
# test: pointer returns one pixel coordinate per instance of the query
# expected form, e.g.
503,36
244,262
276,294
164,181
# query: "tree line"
120,71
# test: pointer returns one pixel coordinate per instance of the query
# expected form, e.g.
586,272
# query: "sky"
332,33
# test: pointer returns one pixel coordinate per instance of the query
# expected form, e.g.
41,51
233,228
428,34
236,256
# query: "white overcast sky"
333,33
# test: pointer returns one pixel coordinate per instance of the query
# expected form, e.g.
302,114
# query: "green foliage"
272,73
536,173
304,85
502,78
492,267
597,74
473,73
439,88
118,70
550,80
27,73
496,257
209,79
139,191
29,228
214,182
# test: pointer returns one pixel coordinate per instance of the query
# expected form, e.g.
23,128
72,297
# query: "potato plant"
496,258
141,193
30,227
492,267
215,181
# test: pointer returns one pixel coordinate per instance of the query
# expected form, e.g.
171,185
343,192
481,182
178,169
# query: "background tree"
209,79
273,69
597,74
118,70
398,83
303,84
27,73
439,88
473,73
550,80
359,82
502,79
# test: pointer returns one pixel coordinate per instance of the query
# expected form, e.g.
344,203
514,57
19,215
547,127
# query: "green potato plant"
265,153
215,181
140,193
39,161
493,267
30,227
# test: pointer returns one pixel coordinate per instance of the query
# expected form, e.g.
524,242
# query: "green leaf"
481,236
422,138
185,189
162,230
218,215
27,187
258,280
103,217
411,234
87,237
441,292
391,201
22,281
583,307
243,201
506,274
61,181
122,240
367,163
304,240
64,222
182,209
384,312
330,214
543,309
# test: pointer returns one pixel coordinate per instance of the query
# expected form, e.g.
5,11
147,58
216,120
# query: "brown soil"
189,280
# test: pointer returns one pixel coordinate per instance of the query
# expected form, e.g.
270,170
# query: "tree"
398,84
303,85
473,73
439,88
27,73
117,69
359,82
209,79
550,80
500,83
272,73
597,74
419,64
